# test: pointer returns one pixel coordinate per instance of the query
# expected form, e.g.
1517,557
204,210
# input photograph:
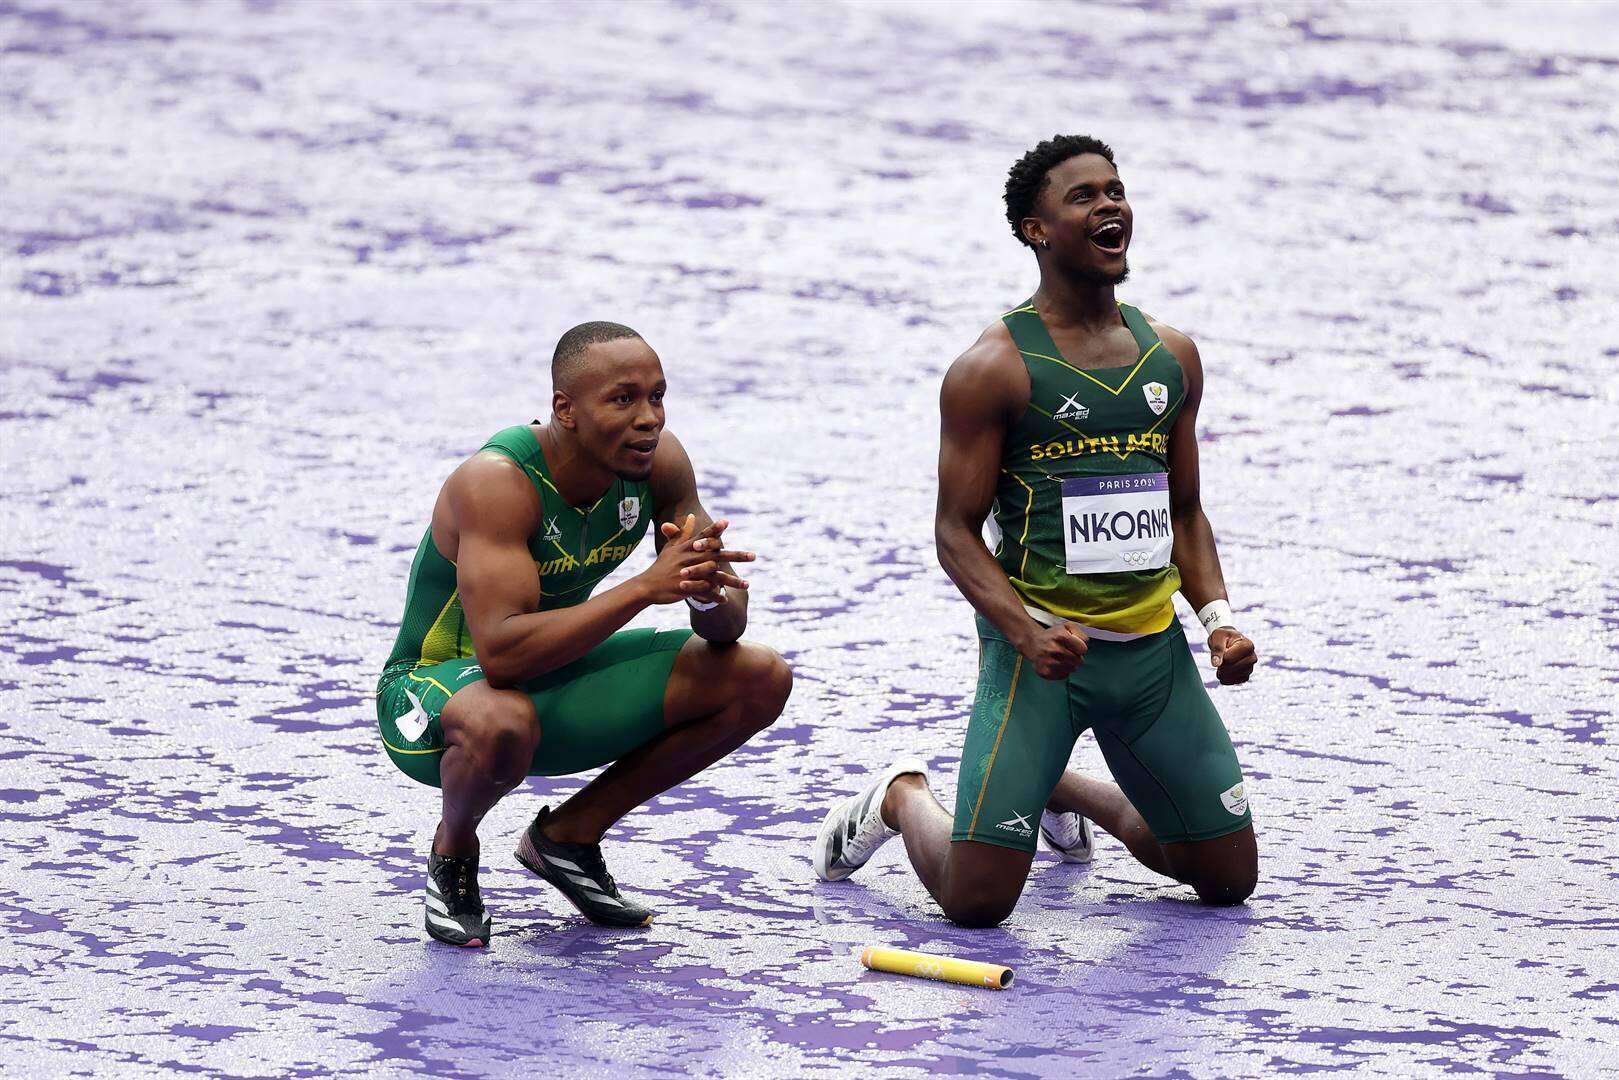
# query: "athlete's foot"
455,913
1069,835
855,828
579,874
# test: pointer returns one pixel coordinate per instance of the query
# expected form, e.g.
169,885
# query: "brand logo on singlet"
1072,410
552,532
1017,823
1157,397
629,511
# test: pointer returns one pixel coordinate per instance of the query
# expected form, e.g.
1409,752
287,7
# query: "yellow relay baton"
943,968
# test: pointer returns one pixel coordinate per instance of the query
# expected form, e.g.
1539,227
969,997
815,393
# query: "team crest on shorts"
1235,800
629,511
1157,397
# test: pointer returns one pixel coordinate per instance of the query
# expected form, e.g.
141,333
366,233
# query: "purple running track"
269,270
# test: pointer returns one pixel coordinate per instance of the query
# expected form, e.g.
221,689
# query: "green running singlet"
1099,423
1082,510
592,711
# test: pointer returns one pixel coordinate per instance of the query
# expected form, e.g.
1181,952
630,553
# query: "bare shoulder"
990,373
672,478
491,491
1182,347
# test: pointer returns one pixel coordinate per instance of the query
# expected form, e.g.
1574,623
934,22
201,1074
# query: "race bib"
1116,523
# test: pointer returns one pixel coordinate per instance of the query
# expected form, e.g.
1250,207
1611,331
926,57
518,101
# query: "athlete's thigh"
410,710
1167,747
606,703
1018,742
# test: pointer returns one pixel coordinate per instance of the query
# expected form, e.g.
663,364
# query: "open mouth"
644,448
1109,236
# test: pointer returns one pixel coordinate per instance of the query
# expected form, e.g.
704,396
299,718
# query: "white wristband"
1214,615
698,605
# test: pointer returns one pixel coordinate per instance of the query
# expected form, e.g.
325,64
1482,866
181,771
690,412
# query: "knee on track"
1226,890
980,914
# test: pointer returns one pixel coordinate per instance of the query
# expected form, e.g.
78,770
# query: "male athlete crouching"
506,667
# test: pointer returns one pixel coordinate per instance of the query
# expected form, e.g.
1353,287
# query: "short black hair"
1027,178
568,360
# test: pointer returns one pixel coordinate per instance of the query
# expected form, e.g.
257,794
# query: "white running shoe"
854,829
1069,835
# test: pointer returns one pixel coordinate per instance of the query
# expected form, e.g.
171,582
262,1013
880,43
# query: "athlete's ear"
1034,230
562,409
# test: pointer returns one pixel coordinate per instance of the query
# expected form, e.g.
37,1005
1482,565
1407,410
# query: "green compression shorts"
592,711
1158,730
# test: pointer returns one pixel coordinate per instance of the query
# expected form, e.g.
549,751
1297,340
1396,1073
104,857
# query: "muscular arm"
674,497
494,510
982,394
1194,552
1231,652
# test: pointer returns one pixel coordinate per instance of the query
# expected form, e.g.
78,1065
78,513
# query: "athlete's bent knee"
773,683
764,682
979,914
1226,891
499,736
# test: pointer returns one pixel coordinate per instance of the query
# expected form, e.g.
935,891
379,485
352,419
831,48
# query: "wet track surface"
269,271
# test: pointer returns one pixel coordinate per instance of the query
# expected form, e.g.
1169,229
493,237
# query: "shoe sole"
531,861
470,943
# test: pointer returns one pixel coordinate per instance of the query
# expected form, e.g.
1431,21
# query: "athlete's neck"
1066,301
579,480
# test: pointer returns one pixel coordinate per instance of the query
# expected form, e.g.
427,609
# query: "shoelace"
590,857
462,875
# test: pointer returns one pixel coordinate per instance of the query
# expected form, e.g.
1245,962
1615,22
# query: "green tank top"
1081,515
574,548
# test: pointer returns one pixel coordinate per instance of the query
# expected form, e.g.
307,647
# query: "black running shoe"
579,874
455,913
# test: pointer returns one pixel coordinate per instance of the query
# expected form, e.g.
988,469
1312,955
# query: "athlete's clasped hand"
1055,651
1232,655
688,567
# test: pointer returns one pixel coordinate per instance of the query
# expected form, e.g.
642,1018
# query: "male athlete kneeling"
1072,427
506,667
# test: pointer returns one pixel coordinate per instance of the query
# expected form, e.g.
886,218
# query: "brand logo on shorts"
1072,410
552,532
1018,824
1157,397
469,670
413,723
629,511
1235,800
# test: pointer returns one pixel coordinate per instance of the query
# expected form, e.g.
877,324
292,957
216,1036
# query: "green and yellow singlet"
574,549
1081,517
